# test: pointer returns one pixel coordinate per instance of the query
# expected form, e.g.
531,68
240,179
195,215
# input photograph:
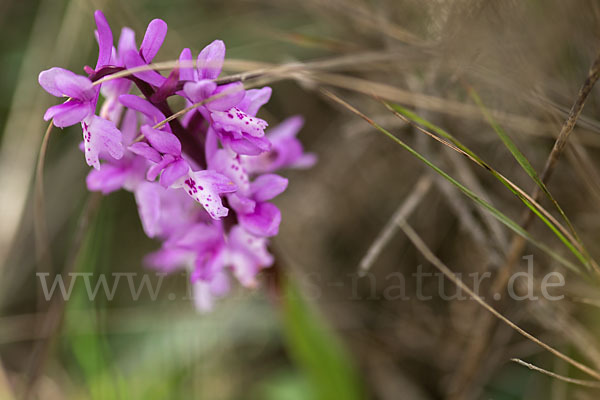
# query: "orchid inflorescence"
182,171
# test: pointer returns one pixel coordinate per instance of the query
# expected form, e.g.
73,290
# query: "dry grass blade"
565,235
257,83
508,222
570,122
427,102
580,382
253,69
432,258
403,211
520,158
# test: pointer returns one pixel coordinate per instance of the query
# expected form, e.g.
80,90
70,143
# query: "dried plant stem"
386,234
431,257
580,382
485,323
517,189
42,241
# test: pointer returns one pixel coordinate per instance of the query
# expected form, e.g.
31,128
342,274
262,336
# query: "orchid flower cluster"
203,183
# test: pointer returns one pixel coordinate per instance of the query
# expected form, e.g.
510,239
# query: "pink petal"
167,259
250,146
307,160
101,136
105,39
228,164
205,187
264,221
241,204
126,43
173,172
156,169
268,186
69,113
186,72
62,82
287,129
255,99
133,59
238,122
147,197
144,106
106,180
129,126
144,150
210,60
198,91
165,142
240,240
153,39
227,96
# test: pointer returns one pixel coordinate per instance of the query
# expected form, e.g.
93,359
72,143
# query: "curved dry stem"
432,258
40,227
566,232
580,382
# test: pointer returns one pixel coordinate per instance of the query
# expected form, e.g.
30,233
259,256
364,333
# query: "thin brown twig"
404,210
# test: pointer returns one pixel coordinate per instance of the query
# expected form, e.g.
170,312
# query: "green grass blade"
572,243
85,340
520,157
515,227
317,350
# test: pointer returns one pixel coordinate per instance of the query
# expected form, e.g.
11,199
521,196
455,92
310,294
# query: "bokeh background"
313,329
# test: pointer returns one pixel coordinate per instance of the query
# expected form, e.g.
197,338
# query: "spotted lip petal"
206,187
238,122
101,136
228,164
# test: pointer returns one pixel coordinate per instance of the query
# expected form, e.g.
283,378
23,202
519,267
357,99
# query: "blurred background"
315,329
